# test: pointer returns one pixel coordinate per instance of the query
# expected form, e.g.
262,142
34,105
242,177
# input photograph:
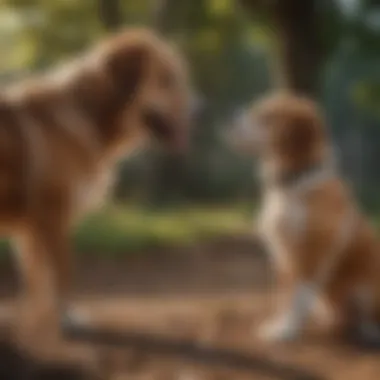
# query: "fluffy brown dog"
321,246
61,135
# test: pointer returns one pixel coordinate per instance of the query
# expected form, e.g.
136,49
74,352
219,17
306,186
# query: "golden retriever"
321,246
61,134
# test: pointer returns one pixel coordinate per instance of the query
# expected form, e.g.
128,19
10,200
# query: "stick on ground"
188,350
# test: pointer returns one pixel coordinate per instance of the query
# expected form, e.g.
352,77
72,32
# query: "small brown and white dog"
321,246
61,135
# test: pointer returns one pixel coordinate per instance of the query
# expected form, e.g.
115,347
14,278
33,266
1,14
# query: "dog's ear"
126,66
298,138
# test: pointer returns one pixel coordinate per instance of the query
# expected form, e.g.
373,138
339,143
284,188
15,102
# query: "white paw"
74,318
281,329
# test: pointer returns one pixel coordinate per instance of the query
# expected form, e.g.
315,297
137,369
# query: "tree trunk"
299,49
299,46
167,169
110,14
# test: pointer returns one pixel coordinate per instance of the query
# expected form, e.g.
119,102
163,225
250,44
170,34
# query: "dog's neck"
95,97
303,177
82,109
97,100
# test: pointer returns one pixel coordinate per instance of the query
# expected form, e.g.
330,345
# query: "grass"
131,229
127,229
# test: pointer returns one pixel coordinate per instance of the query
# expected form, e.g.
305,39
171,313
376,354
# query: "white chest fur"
281,220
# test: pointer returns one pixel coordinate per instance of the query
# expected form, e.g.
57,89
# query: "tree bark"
298,40
167,169
299,45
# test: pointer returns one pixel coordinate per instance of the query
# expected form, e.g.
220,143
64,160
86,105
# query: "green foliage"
367,96
126,229
229,54
130,229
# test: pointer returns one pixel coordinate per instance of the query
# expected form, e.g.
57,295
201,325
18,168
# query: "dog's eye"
157,124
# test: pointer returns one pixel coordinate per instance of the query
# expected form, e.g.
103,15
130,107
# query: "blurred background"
237,51
173,238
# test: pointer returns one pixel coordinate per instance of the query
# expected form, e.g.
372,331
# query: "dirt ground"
214,296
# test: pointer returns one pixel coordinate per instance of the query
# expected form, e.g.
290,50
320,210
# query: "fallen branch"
188,350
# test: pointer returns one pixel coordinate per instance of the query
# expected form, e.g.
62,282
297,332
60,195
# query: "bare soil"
214,296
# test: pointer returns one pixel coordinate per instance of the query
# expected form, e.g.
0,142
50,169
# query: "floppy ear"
297,139
126,66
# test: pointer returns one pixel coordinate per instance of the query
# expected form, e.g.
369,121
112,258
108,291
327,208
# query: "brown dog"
321,246
61,135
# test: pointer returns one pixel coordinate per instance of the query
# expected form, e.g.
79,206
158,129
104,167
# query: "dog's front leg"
38,283
58,241
44,265
290,323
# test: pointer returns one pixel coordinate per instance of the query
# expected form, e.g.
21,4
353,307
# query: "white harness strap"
310,181
325,172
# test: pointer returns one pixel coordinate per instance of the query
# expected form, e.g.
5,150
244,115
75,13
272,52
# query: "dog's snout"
229,134
239,117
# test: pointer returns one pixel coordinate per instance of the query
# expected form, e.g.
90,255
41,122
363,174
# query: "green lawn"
121,228
130,229
118,229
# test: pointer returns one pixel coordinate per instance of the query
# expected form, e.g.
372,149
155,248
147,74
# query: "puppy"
321,247
61,135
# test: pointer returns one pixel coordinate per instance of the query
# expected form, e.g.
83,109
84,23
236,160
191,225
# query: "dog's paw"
281,329
72,318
